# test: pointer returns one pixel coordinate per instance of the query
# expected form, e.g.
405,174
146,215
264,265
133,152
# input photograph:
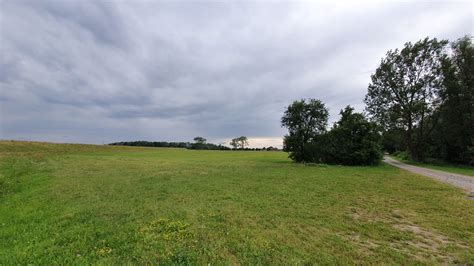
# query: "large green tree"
305,121
404,88
454,134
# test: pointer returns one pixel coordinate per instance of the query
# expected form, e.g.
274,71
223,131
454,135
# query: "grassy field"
451,168
77,204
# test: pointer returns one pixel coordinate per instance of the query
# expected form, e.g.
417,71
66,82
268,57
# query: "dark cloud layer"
102,71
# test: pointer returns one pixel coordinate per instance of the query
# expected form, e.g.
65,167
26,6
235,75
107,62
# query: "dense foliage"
453,137
353,140
306,121
404,89
423,97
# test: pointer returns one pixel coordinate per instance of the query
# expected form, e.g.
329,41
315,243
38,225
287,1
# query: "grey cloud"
100,18
93,71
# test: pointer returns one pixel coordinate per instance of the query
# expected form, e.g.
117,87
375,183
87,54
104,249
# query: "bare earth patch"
422,244
425,244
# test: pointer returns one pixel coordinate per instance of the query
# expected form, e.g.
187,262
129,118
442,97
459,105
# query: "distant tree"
200,140
234,143
403,91
305,121
243,142
239,142
353,140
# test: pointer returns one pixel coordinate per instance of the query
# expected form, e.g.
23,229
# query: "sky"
105,71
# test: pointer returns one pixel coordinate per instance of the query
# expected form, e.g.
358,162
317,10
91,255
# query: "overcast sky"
98,72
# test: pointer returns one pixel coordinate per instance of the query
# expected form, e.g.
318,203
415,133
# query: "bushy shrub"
352,141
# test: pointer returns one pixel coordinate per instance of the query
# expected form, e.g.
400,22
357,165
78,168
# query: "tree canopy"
305,121
423,97
200,140
404,89
453,137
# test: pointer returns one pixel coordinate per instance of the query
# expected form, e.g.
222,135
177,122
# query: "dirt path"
462,181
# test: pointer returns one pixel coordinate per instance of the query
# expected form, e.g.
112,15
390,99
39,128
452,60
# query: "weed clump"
104,251
171,241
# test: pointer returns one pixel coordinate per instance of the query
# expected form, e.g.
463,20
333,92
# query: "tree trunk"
409,139
302,150
420,142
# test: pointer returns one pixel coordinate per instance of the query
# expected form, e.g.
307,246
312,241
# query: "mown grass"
78,204
442,166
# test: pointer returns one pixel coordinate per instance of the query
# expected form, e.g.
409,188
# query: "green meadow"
86,204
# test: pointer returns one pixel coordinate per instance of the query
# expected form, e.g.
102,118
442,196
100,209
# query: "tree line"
200,143
164,144
419,101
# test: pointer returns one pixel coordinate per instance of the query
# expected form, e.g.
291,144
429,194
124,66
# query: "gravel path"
462,181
